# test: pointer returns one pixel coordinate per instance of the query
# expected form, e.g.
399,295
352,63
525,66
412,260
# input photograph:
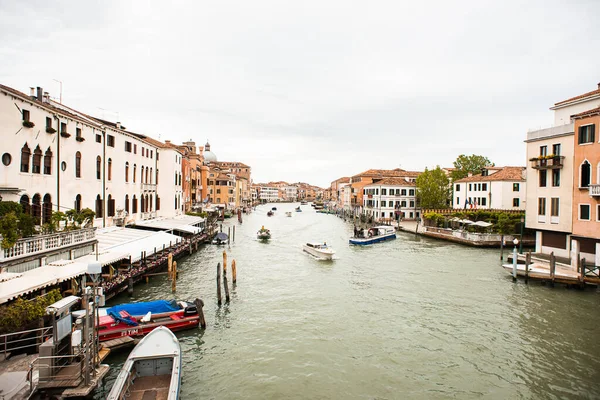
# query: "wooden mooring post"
174,277
200,307
234,233
233,272
228,235
225,286
527,262
170,264
552,267
219,284
130,286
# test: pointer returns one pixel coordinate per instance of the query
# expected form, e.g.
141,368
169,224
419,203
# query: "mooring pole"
219,284
233,271
515,264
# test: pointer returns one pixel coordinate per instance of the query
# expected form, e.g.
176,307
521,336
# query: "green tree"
433,188
469,164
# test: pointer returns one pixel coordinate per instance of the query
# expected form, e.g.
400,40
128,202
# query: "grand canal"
412,318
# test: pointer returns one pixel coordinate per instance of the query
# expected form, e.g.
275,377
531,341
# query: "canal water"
411,318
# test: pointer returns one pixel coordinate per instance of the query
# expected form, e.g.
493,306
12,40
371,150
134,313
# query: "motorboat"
270,213
319,250
152,370
373,235
274,208
263,234
221,239
139,319
303,203
288,213
298,209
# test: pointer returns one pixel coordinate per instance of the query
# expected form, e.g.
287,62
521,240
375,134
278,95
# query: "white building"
500,188
390,198
291,193
268,194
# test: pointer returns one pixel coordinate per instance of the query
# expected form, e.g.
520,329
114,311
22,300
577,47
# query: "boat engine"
190,310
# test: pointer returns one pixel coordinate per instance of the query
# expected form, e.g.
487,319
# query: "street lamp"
521,243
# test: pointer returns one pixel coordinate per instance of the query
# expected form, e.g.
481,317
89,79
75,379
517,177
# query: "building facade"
391,199
500,188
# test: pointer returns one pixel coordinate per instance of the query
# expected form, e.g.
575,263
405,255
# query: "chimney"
32,92
470,174
598,85
46,97
40,94
118,124
167,141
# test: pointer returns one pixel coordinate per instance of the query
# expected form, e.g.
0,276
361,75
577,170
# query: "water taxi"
373,235
152,370
303,203
263,234
221,239
319,250
288,213
298,209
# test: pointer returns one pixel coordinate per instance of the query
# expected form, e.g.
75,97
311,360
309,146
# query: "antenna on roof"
60,98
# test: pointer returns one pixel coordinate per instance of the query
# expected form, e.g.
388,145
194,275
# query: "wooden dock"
120,343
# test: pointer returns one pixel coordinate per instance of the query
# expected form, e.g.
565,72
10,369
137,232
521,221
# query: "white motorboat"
319,250
373,235
288,213
152,370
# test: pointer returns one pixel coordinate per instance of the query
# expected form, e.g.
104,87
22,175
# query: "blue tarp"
155,307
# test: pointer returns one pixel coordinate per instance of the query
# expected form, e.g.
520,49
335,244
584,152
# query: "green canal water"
411,318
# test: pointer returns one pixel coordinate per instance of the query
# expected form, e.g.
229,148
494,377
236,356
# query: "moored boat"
298,209
373,235
152,370
303,203
288,213
139,319
221,238
270,213
263,234
319,250
274,208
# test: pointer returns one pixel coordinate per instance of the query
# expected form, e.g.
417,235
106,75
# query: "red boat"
120,323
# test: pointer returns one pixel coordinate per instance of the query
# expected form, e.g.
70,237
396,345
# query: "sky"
312,90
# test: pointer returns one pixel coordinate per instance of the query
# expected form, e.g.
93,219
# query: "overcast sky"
312,90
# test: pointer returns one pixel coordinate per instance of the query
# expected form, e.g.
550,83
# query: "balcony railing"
548,163
594,190
149,187
40,244
148,215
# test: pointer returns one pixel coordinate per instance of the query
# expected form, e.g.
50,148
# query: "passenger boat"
288,213
263,234
221,238
152,370
270,213
274,208
298,209
319,250
139,319
373,235
303,203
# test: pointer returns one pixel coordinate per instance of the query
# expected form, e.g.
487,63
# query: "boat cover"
155,307
221,236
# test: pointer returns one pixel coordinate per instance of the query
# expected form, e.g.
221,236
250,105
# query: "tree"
433,189
469,164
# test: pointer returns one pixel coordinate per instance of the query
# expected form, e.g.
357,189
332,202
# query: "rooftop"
505,174
588,113
580,97
393,181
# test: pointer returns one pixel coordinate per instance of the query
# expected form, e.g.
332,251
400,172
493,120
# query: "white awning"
482,224
169,225
133,241
6,276
466,221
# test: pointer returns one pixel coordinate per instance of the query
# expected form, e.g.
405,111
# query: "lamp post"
521,241
515,242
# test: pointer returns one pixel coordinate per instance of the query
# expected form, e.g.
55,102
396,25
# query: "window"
586,134
98,138
586,174
479,187
25,115
141,174
126,172
78,165
63,127
484,186
411,192
111,206
543,150
412,203
143,150
541,206
516,202
128,147
377,191
134,205
77,132
598,213
515,187
146,180
110,141
158,203
458,200
556,149
151,153
470,187
556,177
156,180
78,203
483,201
403,192
134,171
218,191
98,207
127,203
48,162
135,149
383,203
110,169
98,167
6,159
48,122
584,212
554,206
383,192
543,177
179,179
150,181
37,160
157,156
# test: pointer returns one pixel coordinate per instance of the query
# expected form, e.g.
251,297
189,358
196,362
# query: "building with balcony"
268,194
501,188
391,199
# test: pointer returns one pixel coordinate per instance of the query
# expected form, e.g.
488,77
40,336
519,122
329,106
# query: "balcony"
43,243
594,190
149,187
547,163
148,215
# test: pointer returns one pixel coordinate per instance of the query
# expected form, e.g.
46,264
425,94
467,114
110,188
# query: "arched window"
111,206
24,201
37,160
146,176
36,208
134,172
157,203
48,162
146,204
25,154
151,196
134,205
156,181
142,174
176,202
150,176
126,172
98,206
98,168
47,208
110,169
142,203
586,174
78,203
127,203
78,165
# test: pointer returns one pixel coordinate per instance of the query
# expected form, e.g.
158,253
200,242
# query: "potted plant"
50,129
28,124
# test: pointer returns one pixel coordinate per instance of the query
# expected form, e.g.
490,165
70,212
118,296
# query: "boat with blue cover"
372,235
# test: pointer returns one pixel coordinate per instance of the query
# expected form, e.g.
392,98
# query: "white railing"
43,243
594,190
149,187
148,215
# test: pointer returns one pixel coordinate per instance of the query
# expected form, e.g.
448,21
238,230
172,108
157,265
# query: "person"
324,244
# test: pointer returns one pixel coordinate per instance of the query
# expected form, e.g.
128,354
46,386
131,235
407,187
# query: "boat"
319,250
152,370
221,238
263,234
288,213
227,214
298,209
373,235
303,203
270,213
274,208
139,319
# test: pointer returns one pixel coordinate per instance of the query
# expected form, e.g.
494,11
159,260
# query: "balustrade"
39,244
